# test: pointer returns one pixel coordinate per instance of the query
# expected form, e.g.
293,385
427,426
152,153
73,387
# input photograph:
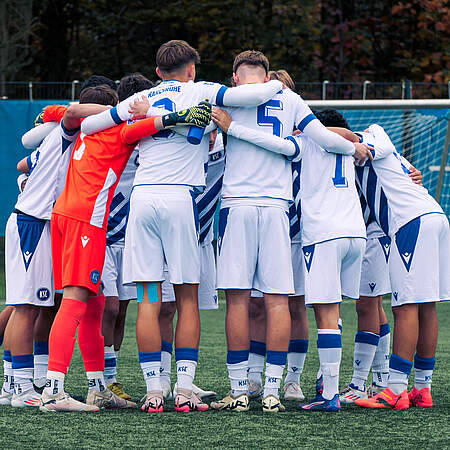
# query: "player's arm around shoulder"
383,145
266,141
75,113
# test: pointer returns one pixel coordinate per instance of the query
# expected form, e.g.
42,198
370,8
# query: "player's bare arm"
362,152
74,114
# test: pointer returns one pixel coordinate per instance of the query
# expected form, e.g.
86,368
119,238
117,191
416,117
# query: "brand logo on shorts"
43,294
357,362
308,253
95,276
372,286
27,256
84,241
395,294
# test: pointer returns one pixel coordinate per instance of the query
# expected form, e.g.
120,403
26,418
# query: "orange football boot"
420,398
385,399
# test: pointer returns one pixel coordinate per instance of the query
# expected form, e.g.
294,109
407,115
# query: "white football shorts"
112,275
162,227
375,268
332,269
207,293
28,261
254,249
297,269
419,265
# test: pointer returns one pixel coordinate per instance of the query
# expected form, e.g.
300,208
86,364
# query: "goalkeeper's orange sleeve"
132,132
54,113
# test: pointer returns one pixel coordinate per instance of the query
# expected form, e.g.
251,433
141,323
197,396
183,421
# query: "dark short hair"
101,95
174,55
332,118
98,80
252,58
131,84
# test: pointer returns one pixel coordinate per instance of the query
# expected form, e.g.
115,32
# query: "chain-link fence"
326,90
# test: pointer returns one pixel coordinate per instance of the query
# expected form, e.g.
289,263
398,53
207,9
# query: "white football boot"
63,402
27,398
293,391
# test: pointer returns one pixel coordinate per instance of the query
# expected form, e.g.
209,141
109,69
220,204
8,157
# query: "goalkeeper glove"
39,118
199,116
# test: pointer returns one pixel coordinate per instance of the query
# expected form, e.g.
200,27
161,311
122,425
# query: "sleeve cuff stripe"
29,163
69,132
305,121
219,96
115,116
297,148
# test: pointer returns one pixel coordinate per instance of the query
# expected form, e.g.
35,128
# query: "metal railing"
325,90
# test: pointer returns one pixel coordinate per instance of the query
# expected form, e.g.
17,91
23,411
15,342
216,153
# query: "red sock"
62,334
90,338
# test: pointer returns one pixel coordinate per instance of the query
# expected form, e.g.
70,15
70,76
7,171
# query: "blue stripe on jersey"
29,162
207,206
295,209
302,125
115,115
65,144
69,132
116,201
119,219
297,149
379,212
219,96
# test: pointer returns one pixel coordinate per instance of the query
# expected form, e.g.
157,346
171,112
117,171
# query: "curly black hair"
332,118
131,84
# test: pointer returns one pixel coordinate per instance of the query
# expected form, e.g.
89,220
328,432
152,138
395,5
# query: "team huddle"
118,201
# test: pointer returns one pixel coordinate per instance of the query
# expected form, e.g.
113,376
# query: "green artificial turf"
354,428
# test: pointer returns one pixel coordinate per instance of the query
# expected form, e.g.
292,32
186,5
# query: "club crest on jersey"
84,241
308,253
395,294
95,276
43,294
385,243
372,286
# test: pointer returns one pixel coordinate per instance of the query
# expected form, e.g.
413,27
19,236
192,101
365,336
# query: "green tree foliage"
314,40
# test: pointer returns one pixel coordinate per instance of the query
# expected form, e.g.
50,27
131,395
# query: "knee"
366,307
167,312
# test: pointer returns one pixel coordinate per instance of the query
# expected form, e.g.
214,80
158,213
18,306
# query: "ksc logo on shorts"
95,276
43,294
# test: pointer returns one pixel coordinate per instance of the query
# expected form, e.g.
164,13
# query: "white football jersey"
167,157
392,197
120,205
208,200
48,170
253,172
330,206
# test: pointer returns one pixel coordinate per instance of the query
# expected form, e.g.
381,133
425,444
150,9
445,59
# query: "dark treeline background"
338,40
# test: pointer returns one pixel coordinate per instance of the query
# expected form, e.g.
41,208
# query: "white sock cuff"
92,375
56,375
328,331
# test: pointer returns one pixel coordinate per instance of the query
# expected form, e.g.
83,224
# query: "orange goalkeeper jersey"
95,168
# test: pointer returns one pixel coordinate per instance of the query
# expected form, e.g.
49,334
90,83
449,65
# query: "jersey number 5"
339,180
266,120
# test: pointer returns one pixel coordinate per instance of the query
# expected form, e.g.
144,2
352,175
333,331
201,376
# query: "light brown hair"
251,58
284,77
